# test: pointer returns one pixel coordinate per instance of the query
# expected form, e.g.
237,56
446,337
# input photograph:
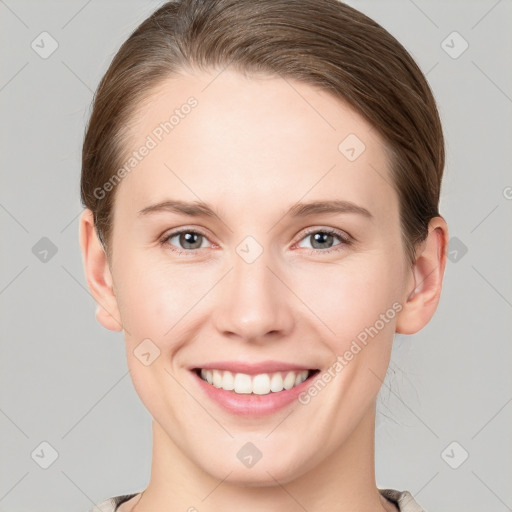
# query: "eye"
186,241
322,240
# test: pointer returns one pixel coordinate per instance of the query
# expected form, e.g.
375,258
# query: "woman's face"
264,277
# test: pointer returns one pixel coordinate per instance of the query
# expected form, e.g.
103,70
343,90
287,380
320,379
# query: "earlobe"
421,298
97,272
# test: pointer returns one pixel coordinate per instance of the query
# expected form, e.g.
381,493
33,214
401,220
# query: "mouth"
254,384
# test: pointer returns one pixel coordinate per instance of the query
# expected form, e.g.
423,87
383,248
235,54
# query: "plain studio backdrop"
73,429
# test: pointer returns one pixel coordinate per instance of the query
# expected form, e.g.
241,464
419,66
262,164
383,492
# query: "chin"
263,473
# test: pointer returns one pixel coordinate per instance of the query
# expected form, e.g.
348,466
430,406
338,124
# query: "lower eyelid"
343,240
165,239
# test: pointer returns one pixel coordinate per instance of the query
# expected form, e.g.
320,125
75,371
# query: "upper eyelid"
178,231
343,235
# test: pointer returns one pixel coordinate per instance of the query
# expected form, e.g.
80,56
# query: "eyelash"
345,240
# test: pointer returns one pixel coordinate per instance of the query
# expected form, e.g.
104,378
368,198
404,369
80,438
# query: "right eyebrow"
194,209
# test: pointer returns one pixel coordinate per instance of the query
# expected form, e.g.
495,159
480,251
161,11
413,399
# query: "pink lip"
252,368
251,405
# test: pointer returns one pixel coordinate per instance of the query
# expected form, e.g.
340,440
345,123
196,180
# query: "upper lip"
252,368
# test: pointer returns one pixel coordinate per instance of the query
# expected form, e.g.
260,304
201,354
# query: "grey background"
64,378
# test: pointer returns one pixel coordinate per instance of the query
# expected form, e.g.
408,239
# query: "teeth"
228,381
217,379
261,384
243,384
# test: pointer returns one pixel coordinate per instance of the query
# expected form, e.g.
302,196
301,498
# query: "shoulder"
403,500
107,505
111,504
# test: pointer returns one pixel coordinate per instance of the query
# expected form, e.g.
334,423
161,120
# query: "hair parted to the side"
324,43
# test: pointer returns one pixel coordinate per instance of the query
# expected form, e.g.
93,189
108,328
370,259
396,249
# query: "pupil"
187,239
321,238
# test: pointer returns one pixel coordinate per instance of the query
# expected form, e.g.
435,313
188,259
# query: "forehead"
210,134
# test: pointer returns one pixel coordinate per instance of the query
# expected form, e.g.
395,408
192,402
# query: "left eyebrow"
198,208
194,209
334,206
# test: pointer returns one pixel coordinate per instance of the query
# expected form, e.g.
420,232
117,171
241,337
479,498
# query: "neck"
345,481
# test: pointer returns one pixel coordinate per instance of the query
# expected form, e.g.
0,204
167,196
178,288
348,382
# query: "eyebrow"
300,209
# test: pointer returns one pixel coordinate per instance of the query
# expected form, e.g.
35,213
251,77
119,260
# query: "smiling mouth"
260,384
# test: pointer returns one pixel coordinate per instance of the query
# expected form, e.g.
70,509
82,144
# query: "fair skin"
252,148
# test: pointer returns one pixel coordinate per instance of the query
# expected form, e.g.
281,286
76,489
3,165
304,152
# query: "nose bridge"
253,302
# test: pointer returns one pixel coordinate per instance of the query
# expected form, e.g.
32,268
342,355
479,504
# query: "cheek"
154,301
351,296
157,298
154,294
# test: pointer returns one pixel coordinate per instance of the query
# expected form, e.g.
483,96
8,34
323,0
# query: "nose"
254,304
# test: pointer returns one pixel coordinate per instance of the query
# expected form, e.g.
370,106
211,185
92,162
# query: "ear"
426,276
97,272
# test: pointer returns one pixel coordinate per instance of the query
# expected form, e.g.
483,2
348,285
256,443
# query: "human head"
194,308
351,56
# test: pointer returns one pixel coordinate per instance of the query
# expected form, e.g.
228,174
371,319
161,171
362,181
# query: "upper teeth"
261,384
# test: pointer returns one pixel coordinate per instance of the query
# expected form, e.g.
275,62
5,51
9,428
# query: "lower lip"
252,405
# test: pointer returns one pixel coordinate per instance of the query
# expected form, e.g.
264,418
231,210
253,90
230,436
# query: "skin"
252,148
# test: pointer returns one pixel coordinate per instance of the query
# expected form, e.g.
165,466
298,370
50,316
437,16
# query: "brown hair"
324,43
